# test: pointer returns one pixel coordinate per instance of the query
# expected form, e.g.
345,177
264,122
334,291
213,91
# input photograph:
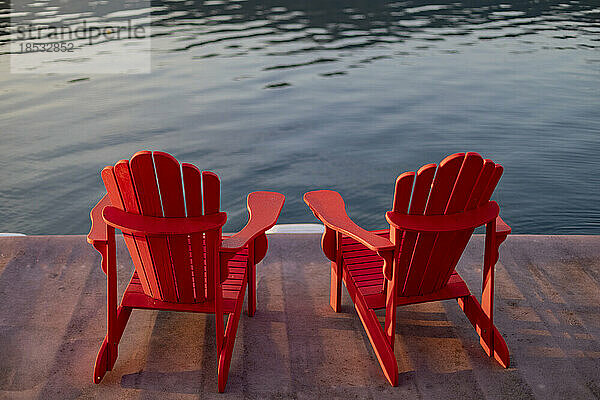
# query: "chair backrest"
170,268
461,182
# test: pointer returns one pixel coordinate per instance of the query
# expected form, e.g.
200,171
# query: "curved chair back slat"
461,182
171,268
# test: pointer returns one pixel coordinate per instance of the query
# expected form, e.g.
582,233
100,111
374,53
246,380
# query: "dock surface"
52,321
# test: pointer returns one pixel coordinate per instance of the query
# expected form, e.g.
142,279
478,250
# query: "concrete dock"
52,321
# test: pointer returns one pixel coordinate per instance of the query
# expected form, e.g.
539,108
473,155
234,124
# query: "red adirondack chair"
428,232
171,223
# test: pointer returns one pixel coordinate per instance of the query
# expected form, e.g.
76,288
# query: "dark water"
298,95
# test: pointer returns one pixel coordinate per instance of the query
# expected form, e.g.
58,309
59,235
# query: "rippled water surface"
292,96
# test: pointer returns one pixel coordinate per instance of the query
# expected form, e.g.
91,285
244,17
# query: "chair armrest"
264,209
444,223
98,230
146,225
502,227
328,206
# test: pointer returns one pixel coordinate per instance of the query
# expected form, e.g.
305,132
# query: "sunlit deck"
52,321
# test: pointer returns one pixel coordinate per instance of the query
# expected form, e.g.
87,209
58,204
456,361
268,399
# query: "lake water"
293,96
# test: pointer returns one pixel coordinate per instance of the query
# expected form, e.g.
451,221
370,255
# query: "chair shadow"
169,382
172,347
296,345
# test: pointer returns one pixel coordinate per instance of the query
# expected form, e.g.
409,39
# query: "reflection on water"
293,96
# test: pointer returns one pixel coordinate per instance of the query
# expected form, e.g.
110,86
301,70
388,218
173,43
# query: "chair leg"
335,297
482,315
224,357
491,340
383,349
102,365
117,316
251,282
390,313
107,355
251,290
